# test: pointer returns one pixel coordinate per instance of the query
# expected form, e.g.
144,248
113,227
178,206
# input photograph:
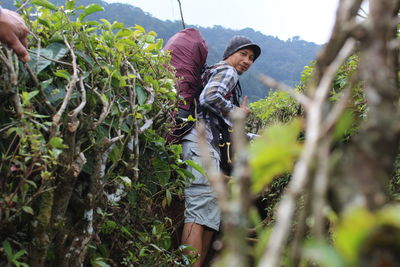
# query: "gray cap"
240,42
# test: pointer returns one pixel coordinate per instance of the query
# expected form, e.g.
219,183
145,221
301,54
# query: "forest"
282,60
88,179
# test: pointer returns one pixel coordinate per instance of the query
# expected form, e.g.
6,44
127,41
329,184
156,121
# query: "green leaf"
27,96
8,250
352,231
126,180
44,3
28,210
163,171
141,95
322,254
126,231
99,262
156,247
54,51
106,22
63,74
70,4
57,142
168,196
86,57
140,28
274,153
35,115
343,126
19,254
176,149
119,25
195,166
92,8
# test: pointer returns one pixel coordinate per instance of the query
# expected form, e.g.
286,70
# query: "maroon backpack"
188,55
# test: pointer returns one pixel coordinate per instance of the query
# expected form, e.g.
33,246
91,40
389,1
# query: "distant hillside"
283,60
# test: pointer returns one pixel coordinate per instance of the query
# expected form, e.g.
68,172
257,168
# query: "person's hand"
13,33
244,106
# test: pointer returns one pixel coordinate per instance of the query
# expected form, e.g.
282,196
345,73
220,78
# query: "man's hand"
13,33
244,106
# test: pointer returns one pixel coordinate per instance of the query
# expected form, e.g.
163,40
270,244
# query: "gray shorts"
201,205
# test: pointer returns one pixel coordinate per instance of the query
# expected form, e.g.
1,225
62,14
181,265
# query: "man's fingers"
19,49
244,102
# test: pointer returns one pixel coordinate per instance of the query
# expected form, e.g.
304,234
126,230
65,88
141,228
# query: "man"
13,33
217,100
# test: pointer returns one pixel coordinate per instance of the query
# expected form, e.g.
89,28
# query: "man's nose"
248,61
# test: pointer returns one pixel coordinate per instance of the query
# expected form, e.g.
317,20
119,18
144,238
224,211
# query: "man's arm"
14,33
220,83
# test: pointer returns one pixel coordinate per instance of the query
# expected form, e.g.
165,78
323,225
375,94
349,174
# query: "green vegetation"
282,60
83,155
88,179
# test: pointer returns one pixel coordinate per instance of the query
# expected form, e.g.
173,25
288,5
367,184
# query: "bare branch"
73,115
146,126
180,9
70,87
272,83
104,111
330,73
337,110
23,5
321,185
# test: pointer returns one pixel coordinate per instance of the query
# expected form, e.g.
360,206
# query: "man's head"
240,53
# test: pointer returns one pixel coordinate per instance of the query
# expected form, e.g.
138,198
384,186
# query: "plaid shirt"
222,80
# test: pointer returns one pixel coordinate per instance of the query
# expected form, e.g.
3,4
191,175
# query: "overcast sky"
312,20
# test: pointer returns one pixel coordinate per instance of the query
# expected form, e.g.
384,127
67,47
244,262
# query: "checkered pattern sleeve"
223,80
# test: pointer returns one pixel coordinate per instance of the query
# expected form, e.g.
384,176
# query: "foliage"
277,107
354,235
274,153
281,59
84,158
83,153
13,259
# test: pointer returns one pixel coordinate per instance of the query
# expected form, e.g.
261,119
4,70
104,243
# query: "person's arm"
223,80
14,33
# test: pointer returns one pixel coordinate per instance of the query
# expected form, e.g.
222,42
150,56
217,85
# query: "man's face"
241,60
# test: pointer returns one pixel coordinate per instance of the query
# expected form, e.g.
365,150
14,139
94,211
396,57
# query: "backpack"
189,53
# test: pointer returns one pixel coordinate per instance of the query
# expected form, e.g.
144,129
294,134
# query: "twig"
104,110
70,87
272,83
337,110
52,59
13,76
73,115
135,138
321,185
180,9
330,73
23,5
